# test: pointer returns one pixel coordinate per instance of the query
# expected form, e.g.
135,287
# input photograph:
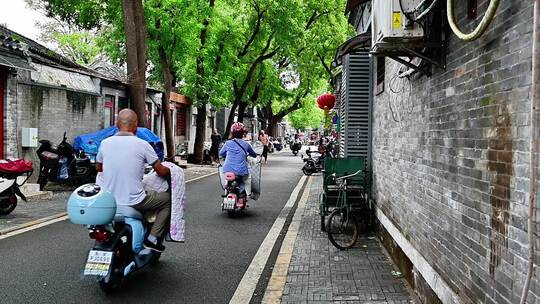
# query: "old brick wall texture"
450,166
52,111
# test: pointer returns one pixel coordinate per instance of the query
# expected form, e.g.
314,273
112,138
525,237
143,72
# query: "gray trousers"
159,202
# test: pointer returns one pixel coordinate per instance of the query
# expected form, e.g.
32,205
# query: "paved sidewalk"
320,273
55,206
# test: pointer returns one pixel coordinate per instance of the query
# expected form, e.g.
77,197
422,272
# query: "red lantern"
327,101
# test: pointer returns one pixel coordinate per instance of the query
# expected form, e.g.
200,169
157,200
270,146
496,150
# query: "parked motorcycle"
9,187
62,164
313,164
115,255
295,147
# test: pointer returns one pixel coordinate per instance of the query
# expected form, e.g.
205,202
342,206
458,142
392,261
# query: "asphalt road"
45,265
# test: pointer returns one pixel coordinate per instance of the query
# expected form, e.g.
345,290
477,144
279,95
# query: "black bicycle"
343,228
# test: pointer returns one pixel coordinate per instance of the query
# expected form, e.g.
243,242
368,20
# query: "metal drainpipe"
533,154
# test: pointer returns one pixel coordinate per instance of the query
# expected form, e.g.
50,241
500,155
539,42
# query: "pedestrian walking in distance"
263,138
214,148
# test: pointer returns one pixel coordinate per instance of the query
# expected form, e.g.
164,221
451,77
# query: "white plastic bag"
255,174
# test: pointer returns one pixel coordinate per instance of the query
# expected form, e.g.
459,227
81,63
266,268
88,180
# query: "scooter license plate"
228,203
98,263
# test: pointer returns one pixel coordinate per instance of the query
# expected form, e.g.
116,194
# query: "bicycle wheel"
342,229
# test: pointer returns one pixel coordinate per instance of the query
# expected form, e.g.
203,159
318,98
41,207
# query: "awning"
64,80
15,62
178,98
351,4
360,43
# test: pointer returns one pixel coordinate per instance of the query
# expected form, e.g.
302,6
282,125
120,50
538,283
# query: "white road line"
23,230
249,281
65,217
201,177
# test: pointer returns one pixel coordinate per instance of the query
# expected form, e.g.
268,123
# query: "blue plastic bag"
89,143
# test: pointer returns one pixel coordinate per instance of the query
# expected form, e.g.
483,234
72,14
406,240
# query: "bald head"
127,121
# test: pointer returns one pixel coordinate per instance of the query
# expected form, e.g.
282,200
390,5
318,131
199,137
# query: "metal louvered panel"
355,107
342,112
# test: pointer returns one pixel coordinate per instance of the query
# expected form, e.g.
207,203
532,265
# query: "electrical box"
29,137
390,26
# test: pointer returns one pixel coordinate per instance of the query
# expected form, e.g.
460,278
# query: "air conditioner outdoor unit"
390,27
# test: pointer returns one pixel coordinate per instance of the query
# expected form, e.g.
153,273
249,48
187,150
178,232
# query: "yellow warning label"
396,20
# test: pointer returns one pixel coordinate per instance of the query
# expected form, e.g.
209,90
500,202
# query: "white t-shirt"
124,159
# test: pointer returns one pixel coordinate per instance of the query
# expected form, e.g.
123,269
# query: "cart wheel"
342,229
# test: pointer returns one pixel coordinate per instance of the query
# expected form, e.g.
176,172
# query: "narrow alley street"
45,265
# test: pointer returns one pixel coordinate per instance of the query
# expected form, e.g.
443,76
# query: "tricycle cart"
357,189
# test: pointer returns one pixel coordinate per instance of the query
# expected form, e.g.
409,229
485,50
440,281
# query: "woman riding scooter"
235,151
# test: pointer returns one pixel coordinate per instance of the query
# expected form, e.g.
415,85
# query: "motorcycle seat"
127,211
230,176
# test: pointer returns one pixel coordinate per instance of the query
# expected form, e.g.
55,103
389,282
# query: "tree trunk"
242,111
230,121
202,98
167,87
272,124
135,32
200,134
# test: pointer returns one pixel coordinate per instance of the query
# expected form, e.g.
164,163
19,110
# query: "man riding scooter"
121,159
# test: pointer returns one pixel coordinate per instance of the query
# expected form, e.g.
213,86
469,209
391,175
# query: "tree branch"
295,106
256,91
219,56
314,17
326,67
254,65
260,16
283,63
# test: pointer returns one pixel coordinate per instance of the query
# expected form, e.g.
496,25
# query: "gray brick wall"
10,123
52,111
452,171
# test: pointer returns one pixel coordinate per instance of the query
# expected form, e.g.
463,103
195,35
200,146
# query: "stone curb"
276,284
39,196
248,284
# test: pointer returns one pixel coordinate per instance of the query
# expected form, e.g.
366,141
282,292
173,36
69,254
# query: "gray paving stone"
319,273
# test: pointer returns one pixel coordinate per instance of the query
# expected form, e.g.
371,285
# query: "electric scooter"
295,147
118,232
9,186
234,200
116,241
313,164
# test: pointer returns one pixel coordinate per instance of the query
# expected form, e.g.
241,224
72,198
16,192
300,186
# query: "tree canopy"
309,116
275,55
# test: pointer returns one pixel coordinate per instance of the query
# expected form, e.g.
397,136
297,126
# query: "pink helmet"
238,127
